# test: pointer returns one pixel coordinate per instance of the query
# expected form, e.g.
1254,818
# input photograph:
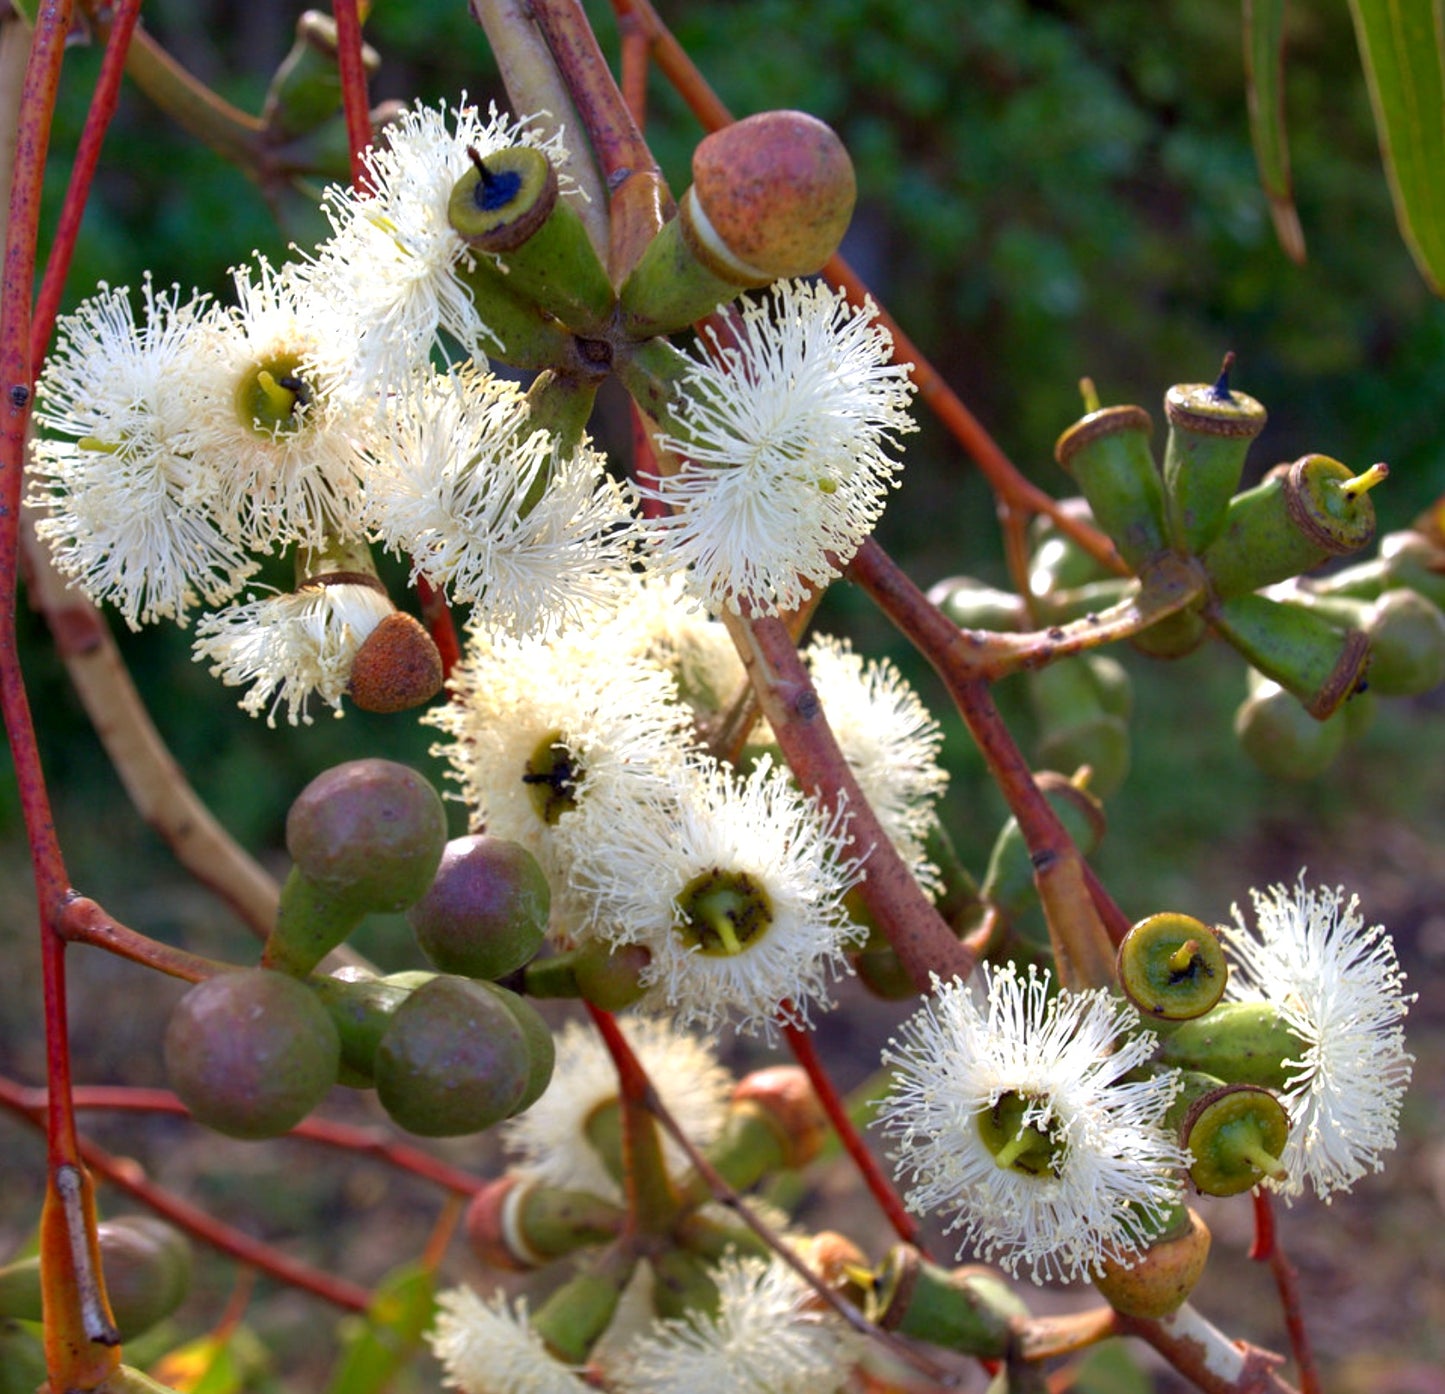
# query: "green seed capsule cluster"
252,1051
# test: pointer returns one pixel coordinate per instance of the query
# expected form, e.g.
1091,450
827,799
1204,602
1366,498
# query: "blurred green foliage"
1046,191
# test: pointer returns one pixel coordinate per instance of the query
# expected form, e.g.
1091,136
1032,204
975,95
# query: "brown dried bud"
396,668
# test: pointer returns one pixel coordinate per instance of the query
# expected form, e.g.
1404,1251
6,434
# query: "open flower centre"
1032,1147
272,398
722,912
552,776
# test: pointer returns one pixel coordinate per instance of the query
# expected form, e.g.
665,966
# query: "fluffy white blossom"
130,514
492,511
1012,1113
395,261
890,742
487,1347
285,439
550,1140
769,1336
541,732
785,438
291,647
735,885
1339,989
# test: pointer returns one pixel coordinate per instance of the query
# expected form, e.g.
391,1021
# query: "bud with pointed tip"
397,667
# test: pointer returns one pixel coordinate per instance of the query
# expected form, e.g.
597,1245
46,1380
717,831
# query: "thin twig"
1267,1249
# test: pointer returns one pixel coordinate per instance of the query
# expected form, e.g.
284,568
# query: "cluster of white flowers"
177,449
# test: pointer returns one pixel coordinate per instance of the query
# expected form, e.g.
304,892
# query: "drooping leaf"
390,1332
1401,45
1264,89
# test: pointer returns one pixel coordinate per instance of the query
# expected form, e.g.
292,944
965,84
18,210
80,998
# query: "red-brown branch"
1267,1249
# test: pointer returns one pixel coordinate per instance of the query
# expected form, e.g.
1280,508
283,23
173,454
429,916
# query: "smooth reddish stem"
1266,1249
343,1136
82,172
436,615
800,1042
354,102
124,1174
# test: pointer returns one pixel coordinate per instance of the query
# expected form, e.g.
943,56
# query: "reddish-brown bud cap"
785,1096
396,668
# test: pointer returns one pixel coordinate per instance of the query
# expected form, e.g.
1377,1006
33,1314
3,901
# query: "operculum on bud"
1301,650
1298,516
1160,1280
397,667
1210,430
1108,454
508,210
771,197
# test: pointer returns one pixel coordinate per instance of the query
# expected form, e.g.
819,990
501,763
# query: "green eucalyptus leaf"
1264,90
1401,46
389,1334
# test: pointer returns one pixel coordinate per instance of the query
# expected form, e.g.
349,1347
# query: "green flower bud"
361,1008
486,912
1078,711
965,1309
1008,883
1210,429
1057,562
1283,739
507,208
251,1053
1239,1042
574,1317
1107,452
1301,650
771,197
452,1060
1298,516
516,1224
682,1285
1235,1135
1172,967
1160,1282
306,90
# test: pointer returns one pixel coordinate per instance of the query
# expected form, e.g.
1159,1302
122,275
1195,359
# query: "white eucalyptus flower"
1339,989
131,516
541,732
487,1347
291,647
785,438
1012,1113
769,1336
490,510
285,440
890,741
550,1139
735,886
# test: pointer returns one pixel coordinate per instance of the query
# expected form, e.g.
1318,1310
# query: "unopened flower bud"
397,667
784,1096
1160,1281
1283,739
966,1309
771,198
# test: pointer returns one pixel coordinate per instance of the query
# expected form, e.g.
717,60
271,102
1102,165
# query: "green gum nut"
965,1309
1235,1136
971,604
1305,652
1082,705
1172,967
1108,454
1406,633
306,90
1414,561
1008,884
1298,516
1238,1042
771,197
1282,739
1210,430
518,331
574,1317
507,209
